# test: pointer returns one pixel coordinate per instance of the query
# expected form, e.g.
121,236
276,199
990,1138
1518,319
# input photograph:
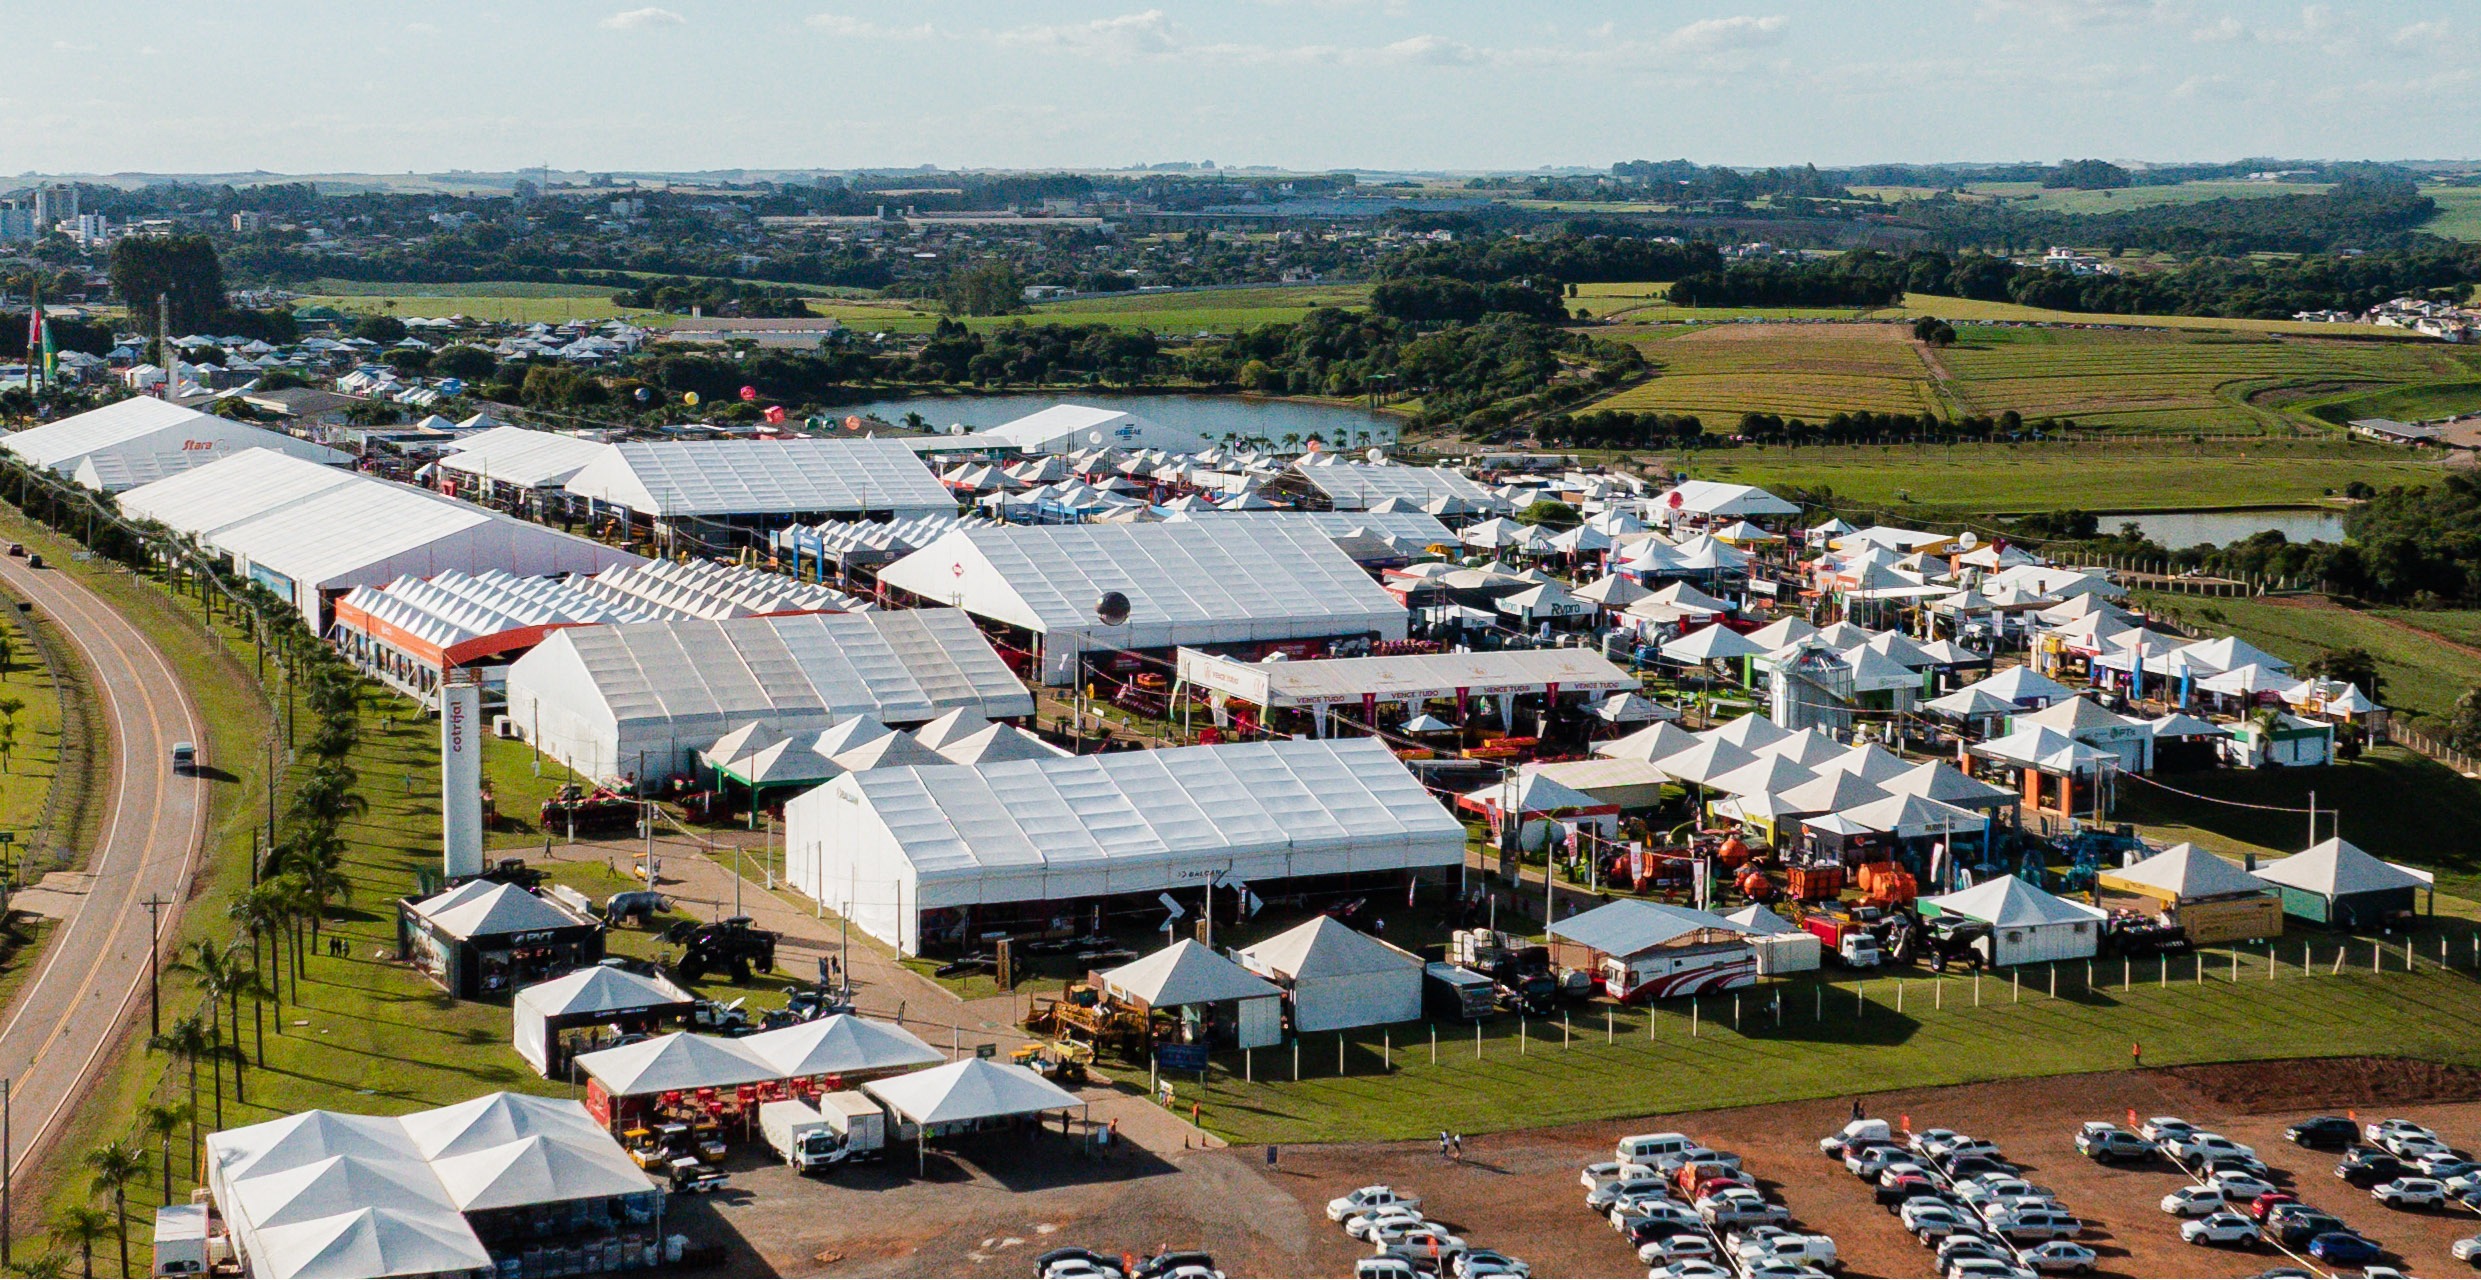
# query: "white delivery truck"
800,1134
859,1121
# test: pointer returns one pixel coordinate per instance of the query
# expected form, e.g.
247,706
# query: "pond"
1210,416
2178,529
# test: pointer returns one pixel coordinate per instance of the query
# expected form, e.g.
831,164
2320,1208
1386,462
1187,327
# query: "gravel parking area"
996,1202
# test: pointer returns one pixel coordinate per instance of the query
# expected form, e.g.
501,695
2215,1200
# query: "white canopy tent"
676,1062
142,438
718,479
604,993
602,698
883,846
2027,924
1336,977
841,1044
1188,976
1227,580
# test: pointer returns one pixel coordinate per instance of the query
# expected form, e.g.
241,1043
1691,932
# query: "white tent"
996,743
521,458
1764,775
1943,782
2021,687
602,698
2184,873
2088,722
885,845
493,910
539,1169
2338,883
842,1044
1651,743
1908,817
1337,978
969,1091
1868,762
601,991
146,436
719,479
676,1062
1713,644
1189,975
1068,428
1612,591
1227,580
2027,925
304,530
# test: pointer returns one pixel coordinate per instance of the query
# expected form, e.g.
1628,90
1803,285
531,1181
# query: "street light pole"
155,903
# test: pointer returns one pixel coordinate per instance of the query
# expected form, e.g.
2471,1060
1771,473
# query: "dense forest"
2363,212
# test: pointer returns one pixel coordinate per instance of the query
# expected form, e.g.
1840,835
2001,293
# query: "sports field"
2118,475
2139,380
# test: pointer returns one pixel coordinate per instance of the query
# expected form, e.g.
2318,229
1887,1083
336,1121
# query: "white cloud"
2421,35
642,19
422,28
1431,51
846,27
1129,35
66,46
1714,35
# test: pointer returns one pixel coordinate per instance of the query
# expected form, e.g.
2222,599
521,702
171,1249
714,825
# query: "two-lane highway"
91,977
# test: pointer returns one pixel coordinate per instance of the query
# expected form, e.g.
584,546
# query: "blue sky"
1444,84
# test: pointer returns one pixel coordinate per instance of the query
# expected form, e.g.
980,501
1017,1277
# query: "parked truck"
859,1121
800,1134
1851,937
1453,991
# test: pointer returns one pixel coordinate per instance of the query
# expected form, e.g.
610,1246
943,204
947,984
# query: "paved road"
93,971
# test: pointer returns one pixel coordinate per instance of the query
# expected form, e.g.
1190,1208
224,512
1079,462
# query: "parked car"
2026,1225
2250,1165
2410,1193
1643,1222
2323,1131
1976,1166
2238,1187
2107,1143
2445,1166
1858,1133
2345,1249
1986,1269
1601,1198
1368,1198
2467,1249
1365,1226
1390,1230
1385,1269
2378,1131
2224,1228
2060,1257
2164,1128
1052,1263
2264,1206
2295,1231
2465,1187
1891,1196
1691,1269
1772,1245
1865,1162
1176,1264
2194,1201
1674,1248
1930,1142
1968,1245
1432,1245
2201,1146
2366,1167
1602,1171
1934,1220
1739,1206
1473,1264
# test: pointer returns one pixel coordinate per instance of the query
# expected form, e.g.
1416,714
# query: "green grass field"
2033,196
2139,381
1962,310
2459,212
2119,475
2423,403
2393,802
29,769
1939,1038
554,304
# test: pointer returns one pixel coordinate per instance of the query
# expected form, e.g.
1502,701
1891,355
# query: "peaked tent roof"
501,908
1325,948
1187,972
1650,743
2185,871
840,1044
1941,781
1632,925
1831,792
1908,817
2079,714
1534,793
539,1170
1748,733
384,1241
2011,903
1711,758
598,989
2336,868
762,477
1715,643
673,1062
2022,684
1756,921
971,1089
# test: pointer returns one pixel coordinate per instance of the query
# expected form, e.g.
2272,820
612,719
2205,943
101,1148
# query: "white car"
2467,1249
1364,1226
1368,1198
1432,1242
2165,1128
2240,1188
2199,1146
1739,1206
1398,1230
1868,1162
1986,1269
1626,1215
1079,1269
1600,1199
2060,1256
1473,1264
1931,1220
1606,1171
2410,1193
1679,1248
2463,1186
1930,1142
2194,1202
2415,1146
1690,1269
1385,1269
2378,1131
2224,1228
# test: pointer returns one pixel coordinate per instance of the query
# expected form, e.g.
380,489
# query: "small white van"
1651,1148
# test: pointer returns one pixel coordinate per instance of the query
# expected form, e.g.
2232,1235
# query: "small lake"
1210,416
2179,529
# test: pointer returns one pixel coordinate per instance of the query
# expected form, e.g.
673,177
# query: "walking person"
1456,1141
1442,1144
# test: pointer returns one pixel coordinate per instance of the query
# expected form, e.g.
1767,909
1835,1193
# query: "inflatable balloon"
644,395
749,393
690,399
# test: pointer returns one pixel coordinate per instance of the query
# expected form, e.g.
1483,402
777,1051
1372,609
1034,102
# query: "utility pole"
7,1172
155,903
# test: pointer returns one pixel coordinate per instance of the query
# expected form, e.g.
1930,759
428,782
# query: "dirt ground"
999,1200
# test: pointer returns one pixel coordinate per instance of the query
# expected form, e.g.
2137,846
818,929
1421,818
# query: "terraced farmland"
1803,371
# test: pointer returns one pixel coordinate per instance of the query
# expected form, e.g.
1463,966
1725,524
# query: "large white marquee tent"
719,479
601,699
1188,583
308,531
1067,428
885,845
143,437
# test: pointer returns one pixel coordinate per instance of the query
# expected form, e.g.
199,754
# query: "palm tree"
323,882
221,977
187,1040
327,794
114,1164
161,1122
265,911
79,1227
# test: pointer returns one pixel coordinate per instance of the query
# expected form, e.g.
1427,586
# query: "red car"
2267,1203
